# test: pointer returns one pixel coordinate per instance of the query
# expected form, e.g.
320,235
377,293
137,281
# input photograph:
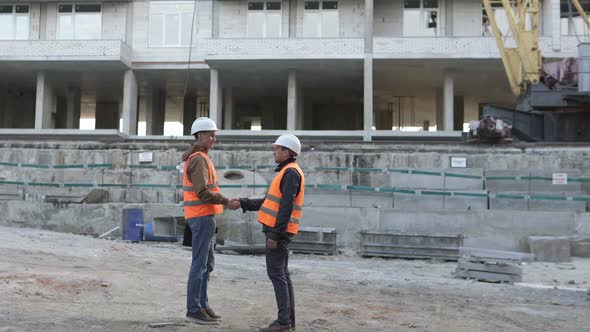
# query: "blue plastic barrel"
132,224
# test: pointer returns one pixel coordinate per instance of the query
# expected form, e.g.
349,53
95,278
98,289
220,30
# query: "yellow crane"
523,63
542,113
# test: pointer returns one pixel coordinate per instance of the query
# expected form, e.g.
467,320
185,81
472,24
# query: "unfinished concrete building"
352,68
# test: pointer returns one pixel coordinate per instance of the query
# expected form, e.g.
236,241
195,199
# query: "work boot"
276,326
212,314
201,317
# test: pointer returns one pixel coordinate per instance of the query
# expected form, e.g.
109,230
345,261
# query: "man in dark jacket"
279,214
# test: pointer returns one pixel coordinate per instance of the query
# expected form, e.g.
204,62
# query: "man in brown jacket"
202,201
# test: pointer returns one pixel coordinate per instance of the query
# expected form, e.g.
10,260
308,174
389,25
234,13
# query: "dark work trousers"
277,261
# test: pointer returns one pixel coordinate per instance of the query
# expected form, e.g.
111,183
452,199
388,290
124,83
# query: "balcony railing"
65,50
462,47
298,48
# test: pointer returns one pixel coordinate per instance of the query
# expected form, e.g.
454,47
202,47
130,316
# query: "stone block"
133,196
550,248
581,248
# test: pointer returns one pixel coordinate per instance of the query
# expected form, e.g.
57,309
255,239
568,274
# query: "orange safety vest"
193,207
270,207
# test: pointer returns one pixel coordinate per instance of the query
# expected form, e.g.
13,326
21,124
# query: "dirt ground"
63,282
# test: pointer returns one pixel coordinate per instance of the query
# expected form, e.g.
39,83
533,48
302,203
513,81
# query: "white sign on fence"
559,178
146,157
458,162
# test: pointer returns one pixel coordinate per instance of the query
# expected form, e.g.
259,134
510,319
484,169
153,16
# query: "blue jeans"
203,229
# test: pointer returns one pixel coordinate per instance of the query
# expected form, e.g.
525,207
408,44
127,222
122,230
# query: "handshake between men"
233,204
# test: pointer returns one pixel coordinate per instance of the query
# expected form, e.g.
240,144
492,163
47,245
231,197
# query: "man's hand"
233,204
271,244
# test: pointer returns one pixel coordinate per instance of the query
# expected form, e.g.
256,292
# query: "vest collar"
284,163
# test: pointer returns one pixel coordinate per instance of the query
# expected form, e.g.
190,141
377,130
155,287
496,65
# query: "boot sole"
201,322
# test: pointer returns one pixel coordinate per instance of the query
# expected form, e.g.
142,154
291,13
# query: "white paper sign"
180,167
559,178
458,162
146,157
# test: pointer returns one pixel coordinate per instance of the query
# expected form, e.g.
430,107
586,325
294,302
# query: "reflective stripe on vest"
193,207
270,207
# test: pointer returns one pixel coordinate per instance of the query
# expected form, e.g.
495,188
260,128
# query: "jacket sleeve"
290,186
251,204
198,174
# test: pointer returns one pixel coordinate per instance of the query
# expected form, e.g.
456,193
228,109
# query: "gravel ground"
63,282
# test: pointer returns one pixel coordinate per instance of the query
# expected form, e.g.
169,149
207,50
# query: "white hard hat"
203,124
290,142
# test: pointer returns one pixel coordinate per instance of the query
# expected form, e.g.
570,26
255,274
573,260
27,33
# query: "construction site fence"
336,187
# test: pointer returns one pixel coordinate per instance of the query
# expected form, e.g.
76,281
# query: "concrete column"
130,103
555,24
215,97
291,100
368,72
300,109
368,26
44,103
228,109
73,105
448,101
155,111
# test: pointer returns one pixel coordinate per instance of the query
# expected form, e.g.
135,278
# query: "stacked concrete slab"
490,265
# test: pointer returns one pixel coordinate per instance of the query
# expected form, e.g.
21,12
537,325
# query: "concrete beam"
45,102
130,103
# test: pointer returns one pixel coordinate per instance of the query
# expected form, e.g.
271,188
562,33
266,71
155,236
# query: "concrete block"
550,248
149,196
580,248
133,195
117,195
489,255
541,202
508,201
466,200
582,223
328,198
169,196
371,199
542,181
535,201
422,179
414,202
503,180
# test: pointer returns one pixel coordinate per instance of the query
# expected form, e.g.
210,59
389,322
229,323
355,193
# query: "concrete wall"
114,16
503,227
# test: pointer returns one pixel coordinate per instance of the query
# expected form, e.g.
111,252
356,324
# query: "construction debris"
490,265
